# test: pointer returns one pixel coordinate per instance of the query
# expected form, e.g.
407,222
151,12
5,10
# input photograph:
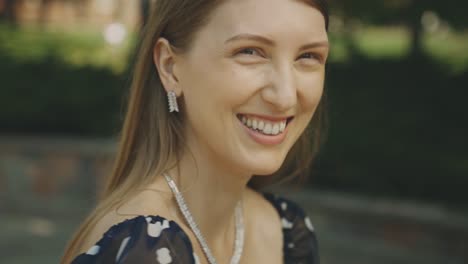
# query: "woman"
222,91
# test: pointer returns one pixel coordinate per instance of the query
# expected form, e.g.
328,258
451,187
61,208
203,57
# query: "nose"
281,92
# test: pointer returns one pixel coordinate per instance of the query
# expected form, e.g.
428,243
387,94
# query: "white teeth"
267,129
282,126
254,124
261,125
264,126
275,129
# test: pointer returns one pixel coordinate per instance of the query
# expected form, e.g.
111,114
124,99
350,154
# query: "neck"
212,191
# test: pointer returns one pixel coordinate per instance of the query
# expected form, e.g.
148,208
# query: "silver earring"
173,107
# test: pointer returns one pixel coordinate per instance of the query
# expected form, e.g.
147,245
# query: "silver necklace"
239,240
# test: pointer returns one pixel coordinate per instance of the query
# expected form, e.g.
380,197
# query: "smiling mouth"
264,126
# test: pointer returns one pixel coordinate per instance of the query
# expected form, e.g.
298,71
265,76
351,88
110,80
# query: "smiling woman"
245,81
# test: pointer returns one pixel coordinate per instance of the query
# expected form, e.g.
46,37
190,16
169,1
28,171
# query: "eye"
311,55
249,51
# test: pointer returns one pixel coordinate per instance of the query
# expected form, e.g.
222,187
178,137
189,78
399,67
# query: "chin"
266,168
259,162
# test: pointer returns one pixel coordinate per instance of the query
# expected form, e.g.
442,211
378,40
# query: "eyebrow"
270,42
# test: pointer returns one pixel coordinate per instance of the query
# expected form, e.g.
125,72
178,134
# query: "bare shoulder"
263,225
265,214
264,207
101,227
144,203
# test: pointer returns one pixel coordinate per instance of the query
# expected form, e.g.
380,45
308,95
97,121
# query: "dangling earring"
173,107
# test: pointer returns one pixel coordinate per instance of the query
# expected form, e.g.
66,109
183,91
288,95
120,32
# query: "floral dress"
154,239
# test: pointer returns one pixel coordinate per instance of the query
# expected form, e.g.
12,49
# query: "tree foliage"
402,12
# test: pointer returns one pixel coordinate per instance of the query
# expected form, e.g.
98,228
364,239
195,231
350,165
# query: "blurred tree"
8,14
407,12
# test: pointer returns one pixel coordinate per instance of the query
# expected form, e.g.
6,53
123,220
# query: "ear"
164,60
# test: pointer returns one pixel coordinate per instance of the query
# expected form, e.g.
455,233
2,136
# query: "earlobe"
164,60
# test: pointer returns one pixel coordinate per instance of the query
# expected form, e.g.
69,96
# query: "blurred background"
390,185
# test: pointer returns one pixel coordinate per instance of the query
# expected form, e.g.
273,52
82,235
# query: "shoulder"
265,221
300,241
136,233
289,211
263,208
141,239
133,207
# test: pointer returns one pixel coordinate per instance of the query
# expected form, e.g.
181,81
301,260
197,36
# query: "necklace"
239,240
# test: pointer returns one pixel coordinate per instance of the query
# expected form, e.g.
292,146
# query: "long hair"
151,140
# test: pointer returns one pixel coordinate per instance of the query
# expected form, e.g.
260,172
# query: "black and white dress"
154,239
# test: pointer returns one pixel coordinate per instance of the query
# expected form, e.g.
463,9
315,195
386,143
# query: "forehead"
271,18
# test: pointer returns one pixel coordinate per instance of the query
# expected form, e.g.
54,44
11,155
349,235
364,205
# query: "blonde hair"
151,140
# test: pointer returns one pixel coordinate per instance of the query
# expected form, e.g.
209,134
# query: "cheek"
201,87
310,92
309,96
231,86
219,81
241,82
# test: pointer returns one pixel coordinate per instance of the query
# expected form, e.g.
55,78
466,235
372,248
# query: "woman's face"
252,80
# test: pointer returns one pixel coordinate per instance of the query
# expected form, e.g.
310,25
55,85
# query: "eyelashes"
312,55
251,51
247,51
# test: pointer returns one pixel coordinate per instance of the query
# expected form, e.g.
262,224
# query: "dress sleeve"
146,240
300,241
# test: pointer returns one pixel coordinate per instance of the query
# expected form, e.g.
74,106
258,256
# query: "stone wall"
38,172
